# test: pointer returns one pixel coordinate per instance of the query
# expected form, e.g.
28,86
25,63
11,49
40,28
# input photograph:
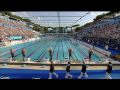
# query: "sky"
51,19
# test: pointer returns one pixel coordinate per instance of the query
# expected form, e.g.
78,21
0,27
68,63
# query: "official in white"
68,75
108,71
83,71
52,71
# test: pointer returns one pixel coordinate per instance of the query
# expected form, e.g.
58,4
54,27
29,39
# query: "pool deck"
36,70
58,66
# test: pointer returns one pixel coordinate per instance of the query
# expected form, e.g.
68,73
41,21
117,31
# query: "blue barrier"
43,74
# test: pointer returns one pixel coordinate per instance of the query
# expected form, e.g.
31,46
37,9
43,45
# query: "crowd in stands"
102,33
10,27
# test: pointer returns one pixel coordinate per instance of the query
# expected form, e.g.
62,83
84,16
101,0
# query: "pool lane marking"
67,50
43,45
58,50
62,53
62,56
63,44
73,50
62,49
76,48
87,52
44,51
93,52
8,52
95,55
56,43
28,47
53,49
34,51
17,48
80,51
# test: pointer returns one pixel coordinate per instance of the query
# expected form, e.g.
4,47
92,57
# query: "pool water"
38,50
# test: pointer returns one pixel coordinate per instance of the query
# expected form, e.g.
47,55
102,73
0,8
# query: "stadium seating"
10,27
104,32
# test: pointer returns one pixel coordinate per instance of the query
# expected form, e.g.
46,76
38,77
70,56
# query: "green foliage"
36,27
45,29
39,28
77,29
6,13
76,25
15,17
99,17
109,14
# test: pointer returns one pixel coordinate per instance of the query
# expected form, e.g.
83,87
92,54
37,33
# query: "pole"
59,20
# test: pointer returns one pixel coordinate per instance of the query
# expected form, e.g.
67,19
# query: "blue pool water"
38,50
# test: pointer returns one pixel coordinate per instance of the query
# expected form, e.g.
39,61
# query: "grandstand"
11,29
102,33
50,37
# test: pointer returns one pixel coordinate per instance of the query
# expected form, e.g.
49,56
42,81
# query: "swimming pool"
38,50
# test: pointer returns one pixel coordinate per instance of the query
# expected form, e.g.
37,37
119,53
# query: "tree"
109,14
39,28
76,25
6,13
77,29
26,20
98,18
15,17
45,29
60,29
36,27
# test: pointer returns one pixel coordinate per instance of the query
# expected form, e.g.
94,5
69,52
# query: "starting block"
27,59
